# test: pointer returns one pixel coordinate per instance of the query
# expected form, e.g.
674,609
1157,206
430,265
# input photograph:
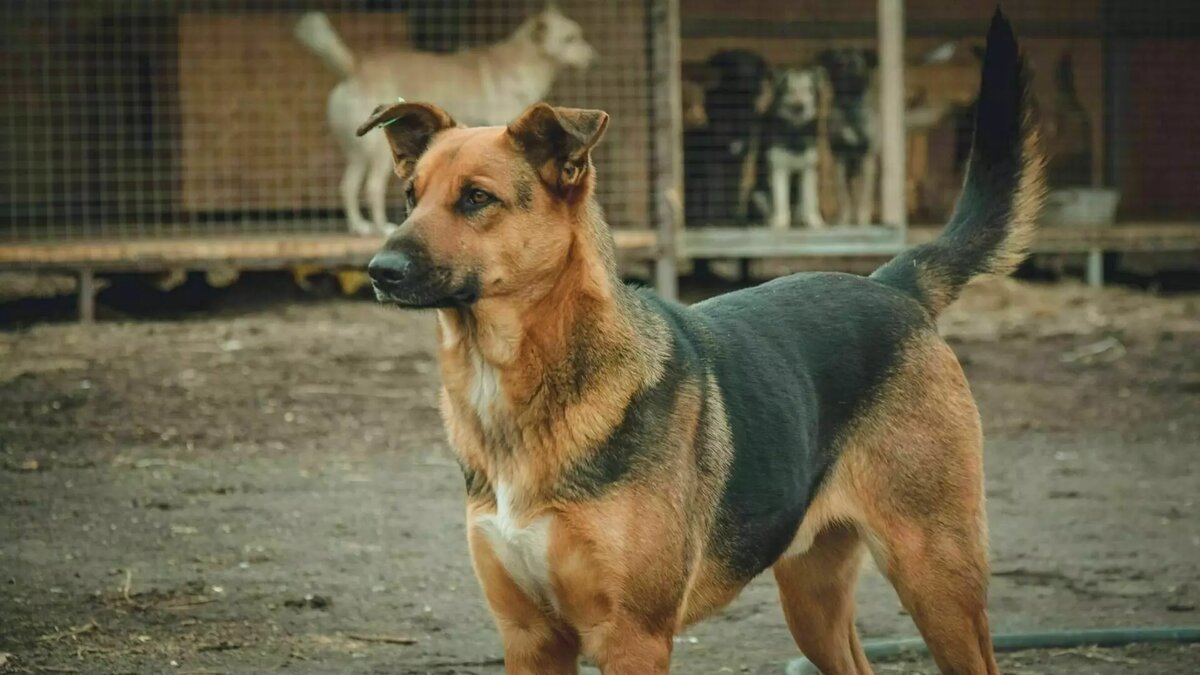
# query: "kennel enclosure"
148,135
153,135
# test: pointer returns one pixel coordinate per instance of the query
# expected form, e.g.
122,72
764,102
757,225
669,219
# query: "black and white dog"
853,131
789,140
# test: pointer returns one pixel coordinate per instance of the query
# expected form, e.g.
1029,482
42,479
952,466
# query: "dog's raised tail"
315,31
995,218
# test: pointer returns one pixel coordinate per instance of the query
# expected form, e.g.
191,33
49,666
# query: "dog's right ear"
558,142
409,128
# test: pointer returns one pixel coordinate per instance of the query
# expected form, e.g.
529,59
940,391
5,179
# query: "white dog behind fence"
479,87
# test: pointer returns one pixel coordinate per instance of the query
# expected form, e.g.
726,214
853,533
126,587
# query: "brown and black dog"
631,463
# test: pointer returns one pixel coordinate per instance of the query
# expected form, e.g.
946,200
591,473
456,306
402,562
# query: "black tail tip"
1002,94
1001,41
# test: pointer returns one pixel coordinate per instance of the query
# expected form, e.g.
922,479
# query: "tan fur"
909,485
1027,203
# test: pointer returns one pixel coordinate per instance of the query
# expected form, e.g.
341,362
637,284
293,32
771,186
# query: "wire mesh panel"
159,118
1115,82
781,113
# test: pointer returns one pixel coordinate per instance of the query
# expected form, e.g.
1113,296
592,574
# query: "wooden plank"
276,252
760,242
1131,237
768,243
262,252
919,11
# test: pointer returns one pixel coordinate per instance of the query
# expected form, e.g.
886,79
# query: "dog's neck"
530,379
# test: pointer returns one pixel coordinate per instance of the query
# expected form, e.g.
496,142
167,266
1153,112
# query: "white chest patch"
520,545
484,394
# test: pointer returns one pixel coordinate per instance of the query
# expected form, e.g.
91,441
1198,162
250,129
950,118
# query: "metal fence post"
667,155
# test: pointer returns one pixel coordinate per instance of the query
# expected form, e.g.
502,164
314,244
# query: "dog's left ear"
409,128
558,142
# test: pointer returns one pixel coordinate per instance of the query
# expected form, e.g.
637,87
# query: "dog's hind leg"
842,179
379,172
352,179
939,569
868,186
817,591
917,464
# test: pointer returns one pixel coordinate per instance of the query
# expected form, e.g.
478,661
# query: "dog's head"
797,94
492,210
849,70
738,70
559,38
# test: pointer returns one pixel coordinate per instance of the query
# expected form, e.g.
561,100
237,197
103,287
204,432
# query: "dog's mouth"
427,296
797,112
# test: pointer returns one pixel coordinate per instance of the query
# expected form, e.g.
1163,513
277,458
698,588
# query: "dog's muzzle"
389,269
407,278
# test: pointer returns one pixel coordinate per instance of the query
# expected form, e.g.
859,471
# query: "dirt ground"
245,491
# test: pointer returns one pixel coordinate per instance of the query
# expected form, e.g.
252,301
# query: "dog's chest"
483,392
519,543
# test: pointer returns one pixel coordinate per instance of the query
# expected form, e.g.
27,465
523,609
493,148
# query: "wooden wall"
1160,171
253,127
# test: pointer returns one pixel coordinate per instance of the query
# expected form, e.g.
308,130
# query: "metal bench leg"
87,296
1095,268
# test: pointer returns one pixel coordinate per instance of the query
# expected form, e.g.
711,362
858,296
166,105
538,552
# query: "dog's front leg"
781,217
628,647
535,641
810,195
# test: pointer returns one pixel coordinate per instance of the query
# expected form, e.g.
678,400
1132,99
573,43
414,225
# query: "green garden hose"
1013,642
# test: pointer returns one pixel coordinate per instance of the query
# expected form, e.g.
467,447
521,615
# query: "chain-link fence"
160,118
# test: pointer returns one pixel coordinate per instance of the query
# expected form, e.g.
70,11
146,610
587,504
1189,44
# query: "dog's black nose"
389,267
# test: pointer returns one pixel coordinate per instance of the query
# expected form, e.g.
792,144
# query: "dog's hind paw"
361,227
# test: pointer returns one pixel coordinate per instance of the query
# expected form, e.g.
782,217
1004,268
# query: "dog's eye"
475,198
